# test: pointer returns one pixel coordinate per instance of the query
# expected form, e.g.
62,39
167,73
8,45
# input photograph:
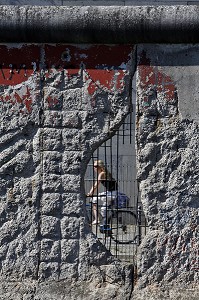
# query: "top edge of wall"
97,2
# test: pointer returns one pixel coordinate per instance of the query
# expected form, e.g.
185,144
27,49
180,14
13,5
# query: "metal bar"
139,211
117,179
105,162
111,152
99,24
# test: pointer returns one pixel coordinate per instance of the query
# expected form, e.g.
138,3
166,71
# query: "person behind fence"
109,197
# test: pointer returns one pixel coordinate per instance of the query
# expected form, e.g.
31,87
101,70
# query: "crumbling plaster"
167,152
58,103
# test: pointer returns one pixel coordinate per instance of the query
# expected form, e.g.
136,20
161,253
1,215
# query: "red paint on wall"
99,79
73,72
92,57
105,80
147,75
101,67
92,88
52,101
150,76
18,98
16,64
25,100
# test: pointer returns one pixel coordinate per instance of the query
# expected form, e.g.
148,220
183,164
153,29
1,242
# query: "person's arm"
96,184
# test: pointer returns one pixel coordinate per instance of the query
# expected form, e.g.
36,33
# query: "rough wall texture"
57,104
168,160
98,2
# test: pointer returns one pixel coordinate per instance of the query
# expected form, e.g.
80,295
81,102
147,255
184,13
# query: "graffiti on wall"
101,67
155,85
49,102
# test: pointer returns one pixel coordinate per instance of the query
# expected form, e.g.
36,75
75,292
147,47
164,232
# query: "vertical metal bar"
117,179
93,182
110,153
123,132
131,123
111,170
139,211
106,216
97,191
110,156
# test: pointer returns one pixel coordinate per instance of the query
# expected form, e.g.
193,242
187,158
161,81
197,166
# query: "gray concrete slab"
97,2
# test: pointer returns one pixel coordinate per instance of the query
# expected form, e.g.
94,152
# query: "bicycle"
121,225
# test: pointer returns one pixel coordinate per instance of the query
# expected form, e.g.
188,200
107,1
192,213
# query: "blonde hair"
100,163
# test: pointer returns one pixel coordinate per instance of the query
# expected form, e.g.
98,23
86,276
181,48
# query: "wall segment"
168,170
58,102
99,25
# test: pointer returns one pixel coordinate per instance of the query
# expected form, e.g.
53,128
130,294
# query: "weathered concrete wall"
168,159
57,104
99,24
98,2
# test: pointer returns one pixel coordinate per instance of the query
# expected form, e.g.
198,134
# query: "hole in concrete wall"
120,222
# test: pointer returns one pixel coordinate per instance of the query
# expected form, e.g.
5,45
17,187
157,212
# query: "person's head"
99,165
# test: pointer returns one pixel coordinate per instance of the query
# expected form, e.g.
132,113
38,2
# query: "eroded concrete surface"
168,160
58,102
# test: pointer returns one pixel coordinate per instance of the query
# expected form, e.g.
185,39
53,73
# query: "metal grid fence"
126,226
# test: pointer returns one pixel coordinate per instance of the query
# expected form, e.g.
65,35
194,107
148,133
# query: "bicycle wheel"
123,227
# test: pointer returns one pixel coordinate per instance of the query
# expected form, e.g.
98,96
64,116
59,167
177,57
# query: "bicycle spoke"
123,225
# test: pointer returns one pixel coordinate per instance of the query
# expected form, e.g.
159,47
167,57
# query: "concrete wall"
167,136
58,103
98,2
